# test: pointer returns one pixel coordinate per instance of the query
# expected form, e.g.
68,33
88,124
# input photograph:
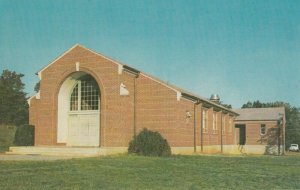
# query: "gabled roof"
167,84
73,47
260,114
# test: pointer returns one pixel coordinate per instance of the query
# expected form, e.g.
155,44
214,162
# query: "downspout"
195,148
201,111
195,125
135,73
221,132
278,138
134,105
281,134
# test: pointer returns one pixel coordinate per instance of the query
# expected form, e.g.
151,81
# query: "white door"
84,129
84,114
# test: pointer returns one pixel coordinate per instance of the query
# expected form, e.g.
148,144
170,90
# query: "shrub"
24,135
7,135
149,143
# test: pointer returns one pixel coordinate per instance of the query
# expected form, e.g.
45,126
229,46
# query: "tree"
14,107
292,115
37,87
227,105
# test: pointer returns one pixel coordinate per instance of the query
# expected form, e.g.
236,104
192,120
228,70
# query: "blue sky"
241,50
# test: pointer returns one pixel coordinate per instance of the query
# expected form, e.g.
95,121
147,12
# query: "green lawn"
134,172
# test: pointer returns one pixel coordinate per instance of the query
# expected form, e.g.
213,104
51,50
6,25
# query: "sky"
242,50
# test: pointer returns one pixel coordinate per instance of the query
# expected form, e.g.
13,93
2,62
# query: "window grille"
74,99
85,95
214,123
263,129
224,124
230,126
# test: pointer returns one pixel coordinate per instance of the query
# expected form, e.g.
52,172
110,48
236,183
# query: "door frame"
84,112
242,134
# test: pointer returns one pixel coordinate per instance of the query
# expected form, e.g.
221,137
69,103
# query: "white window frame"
230,125
223,124
204,121
261,126
79,109
215,123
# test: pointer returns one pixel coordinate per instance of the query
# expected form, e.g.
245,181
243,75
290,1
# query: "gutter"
207,103
222,131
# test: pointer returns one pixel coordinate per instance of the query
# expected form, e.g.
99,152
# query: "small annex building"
260,130
89,100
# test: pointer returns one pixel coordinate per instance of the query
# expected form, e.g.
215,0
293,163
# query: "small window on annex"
263,129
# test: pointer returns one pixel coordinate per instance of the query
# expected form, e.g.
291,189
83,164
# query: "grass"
7,135
135,172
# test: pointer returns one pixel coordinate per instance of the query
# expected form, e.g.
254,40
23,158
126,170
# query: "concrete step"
55,151
65,151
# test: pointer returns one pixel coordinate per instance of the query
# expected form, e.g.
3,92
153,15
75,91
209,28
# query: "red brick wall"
159,110
157,107
253,136
228,137
212,138
106,74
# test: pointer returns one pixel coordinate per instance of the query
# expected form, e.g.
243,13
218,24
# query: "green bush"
24,135
149,143
7,135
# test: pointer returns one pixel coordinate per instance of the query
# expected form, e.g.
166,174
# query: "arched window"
85,95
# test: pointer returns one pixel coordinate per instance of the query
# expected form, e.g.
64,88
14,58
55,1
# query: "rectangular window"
230,126
263,129
223,124
204,121
214,123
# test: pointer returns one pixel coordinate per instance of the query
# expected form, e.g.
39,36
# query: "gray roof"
255,114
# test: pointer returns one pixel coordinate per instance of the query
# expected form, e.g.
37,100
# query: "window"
230,126
85,95
74,99
263,129
223,124
204,121
89,95
215,123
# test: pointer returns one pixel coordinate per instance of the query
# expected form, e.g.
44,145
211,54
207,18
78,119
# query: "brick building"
89,100
260,130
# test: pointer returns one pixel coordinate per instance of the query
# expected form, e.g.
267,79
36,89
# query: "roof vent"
215,98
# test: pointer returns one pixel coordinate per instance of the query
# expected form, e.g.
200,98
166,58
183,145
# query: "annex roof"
263,114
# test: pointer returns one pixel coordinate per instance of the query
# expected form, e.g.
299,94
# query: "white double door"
84,128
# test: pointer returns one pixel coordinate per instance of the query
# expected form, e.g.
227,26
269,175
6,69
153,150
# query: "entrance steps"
65,151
